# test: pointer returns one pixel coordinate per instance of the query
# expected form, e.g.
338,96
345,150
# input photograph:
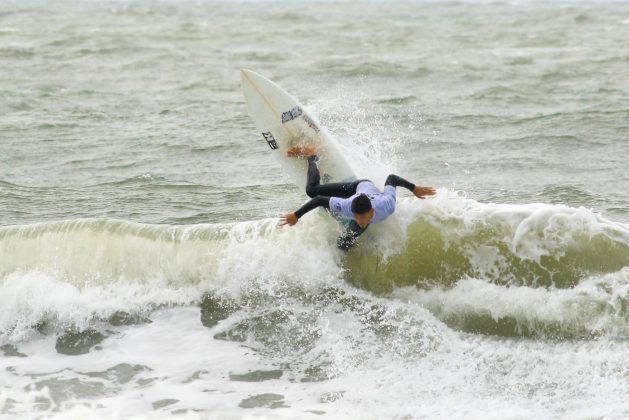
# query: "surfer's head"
363,212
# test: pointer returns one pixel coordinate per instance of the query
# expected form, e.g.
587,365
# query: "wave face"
514,270
535,245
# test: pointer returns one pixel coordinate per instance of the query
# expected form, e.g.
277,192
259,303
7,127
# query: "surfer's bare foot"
301,151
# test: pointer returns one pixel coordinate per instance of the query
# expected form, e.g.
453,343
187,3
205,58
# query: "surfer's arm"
292,218
318,201
398,181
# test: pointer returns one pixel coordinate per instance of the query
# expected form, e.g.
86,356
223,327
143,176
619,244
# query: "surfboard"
283,123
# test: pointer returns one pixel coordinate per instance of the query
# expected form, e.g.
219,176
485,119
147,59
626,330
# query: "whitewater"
143,273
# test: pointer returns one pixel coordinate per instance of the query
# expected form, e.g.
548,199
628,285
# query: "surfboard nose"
247,77
253,78
243,74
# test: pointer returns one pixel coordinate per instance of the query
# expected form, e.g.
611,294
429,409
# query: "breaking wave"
514,270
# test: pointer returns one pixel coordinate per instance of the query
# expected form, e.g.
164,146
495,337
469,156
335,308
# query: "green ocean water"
139,205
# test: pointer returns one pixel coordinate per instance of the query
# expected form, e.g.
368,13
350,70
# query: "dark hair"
361,204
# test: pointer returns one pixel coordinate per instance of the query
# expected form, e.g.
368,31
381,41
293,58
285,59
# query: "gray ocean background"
142,271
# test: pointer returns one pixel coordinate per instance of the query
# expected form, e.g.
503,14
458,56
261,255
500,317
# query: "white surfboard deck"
283,122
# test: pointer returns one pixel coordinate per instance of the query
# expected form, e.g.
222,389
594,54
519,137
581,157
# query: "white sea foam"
595,306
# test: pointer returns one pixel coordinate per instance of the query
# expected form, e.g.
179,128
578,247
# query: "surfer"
359,201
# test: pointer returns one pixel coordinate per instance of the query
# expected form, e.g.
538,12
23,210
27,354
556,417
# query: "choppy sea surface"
142,271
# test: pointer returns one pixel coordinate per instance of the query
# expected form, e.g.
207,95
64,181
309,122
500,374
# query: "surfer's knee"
312,190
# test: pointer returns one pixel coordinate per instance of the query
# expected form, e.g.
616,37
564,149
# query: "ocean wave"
146,179
554,117
107,251
378,68
436,246
16,52
438,241
498,92
399,100
449,238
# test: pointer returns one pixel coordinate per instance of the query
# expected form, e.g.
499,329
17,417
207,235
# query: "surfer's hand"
288,219
422,192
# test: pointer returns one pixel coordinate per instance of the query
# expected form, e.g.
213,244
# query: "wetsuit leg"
348,238
334,189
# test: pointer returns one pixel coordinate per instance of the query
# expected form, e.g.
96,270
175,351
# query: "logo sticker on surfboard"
291,115
270,140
